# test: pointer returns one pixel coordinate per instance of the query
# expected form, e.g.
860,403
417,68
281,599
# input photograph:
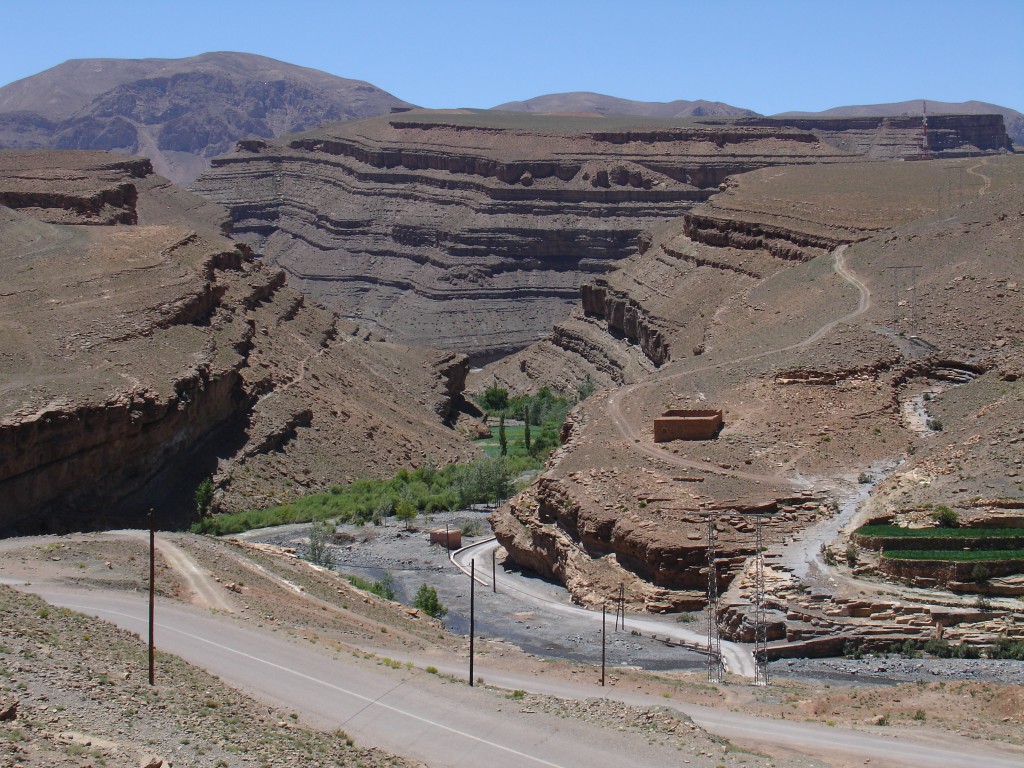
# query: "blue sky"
767,56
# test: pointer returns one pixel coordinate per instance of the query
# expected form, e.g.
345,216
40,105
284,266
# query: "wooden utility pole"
620,608
472,614
604,615
152,593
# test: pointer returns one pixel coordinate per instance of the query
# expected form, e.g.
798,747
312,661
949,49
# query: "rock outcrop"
476,231
898,136
808,352
140,357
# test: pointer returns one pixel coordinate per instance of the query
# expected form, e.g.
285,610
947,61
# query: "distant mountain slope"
1014,120
178,112
610,105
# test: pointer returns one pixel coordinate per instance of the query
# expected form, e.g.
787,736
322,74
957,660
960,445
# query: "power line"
760,614
715,665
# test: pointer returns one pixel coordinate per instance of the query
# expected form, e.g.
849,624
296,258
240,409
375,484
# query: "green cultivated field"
956,555
895,532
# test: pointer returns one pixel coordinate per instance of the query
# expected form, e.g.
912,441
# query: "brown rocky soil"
807,401
139,358
81,696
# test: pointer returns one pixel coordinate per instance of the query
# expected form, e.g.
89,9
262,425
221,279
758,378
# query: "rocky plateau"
474,231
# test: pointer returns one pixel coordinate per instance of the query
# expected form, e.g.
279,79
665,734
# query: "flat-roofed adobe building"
683,424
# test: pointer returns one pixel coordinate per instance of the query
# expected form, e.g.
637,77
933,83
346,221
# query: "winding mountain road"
738,658
616,402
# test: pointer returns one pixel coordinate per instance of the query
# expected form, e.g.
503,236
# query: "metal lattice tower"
715,666
760,616
925,149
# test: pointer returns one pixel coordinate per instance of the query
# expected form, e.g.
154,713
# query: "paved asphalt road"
453,725
738,658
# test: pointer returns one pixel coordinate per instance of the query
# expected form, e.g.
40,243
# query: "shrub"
494,399
945,517
318,552
385,587
204,497
865,477
980,573
585,389
852,650
909,649
1007,649
935,425
852,554
828,556
426,600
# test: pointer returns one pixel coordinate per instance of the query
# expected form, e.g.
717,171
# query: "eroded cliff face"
661,304
138,359
814,358
898,137
475,232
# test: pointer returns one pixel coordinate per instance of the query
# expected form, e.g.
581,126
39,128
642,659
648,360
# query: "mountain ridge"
598,103
178,112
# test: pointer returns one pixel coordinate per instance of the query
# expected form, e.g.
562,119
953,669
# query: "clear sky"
764,55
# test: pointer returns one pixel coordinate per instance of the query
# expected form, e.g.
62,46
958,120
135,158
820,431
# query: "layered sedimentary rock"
140,357
811,354
897,136
475,231
661,303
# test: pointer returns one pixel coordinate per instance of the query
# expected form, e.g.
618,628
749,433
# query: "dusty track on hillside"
631,432
986,182
203,588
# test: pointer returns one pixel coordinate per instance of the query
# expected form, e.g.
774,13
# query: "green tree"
385,587
502,440
318,552
405,511
426,600
384,509
526,430
494,399
204,497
